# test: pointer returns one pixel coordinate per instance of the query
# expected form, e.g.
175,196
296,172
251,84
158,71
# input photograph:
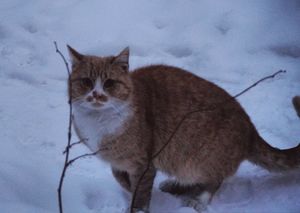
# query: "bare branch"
259,81
63,58
61,181
75,143
83,156
138,185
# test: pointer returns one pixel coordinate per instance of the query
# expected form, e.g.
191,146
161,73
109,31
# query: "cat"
129,116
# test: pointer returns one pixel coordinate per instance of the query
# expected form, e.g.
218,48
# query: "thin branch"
259,81
61,180
63,57
83,156
134,194
73,144
214,107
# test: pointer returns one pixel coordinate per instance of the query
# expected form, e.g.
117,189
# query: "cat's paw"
172,187
175,188
167,185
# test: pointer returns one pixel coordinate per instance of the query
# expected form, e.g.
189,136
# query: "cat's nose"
95,94
99,97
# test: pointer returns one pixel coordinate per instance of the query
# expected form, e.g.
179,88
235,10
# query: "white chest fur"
94,126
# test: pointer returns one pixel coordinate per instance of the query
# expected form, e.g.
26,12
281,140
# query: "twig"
259,81
61,180
73,144
181,122
83,156
64,59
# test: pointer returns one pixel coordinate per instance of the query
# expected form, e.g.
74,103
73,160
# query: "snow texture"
232,43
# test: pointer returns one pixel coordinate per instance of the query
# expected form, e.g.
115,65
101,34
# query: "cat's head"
100,82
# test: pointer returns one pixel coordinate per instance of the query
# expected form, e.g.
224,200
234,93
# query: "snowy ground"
232,43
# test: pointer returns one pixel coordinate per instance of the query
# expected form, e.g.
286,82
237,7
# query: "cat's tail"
273,159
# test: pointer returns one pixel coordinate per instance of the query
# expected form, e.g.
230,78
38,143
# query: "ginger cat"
129,116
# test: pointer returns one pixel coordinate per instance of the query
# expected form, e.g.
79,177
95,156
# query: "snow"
232,43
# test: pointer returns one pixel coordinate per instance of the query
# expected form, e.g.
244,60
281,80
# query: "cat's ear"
75,56
123,59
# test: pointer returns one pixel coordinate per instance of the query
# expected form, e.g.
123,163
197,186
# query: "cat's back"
172,84
164,74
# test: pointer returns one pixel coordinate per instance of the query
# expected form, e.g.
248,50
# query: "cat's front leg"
141,187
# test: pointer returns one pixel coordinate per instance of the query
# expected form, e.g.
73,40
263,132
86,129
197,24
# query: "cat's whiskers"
77,99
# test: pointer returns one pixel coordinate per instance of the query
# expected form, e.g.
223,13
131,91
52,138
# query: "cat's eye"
87,82
109,83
